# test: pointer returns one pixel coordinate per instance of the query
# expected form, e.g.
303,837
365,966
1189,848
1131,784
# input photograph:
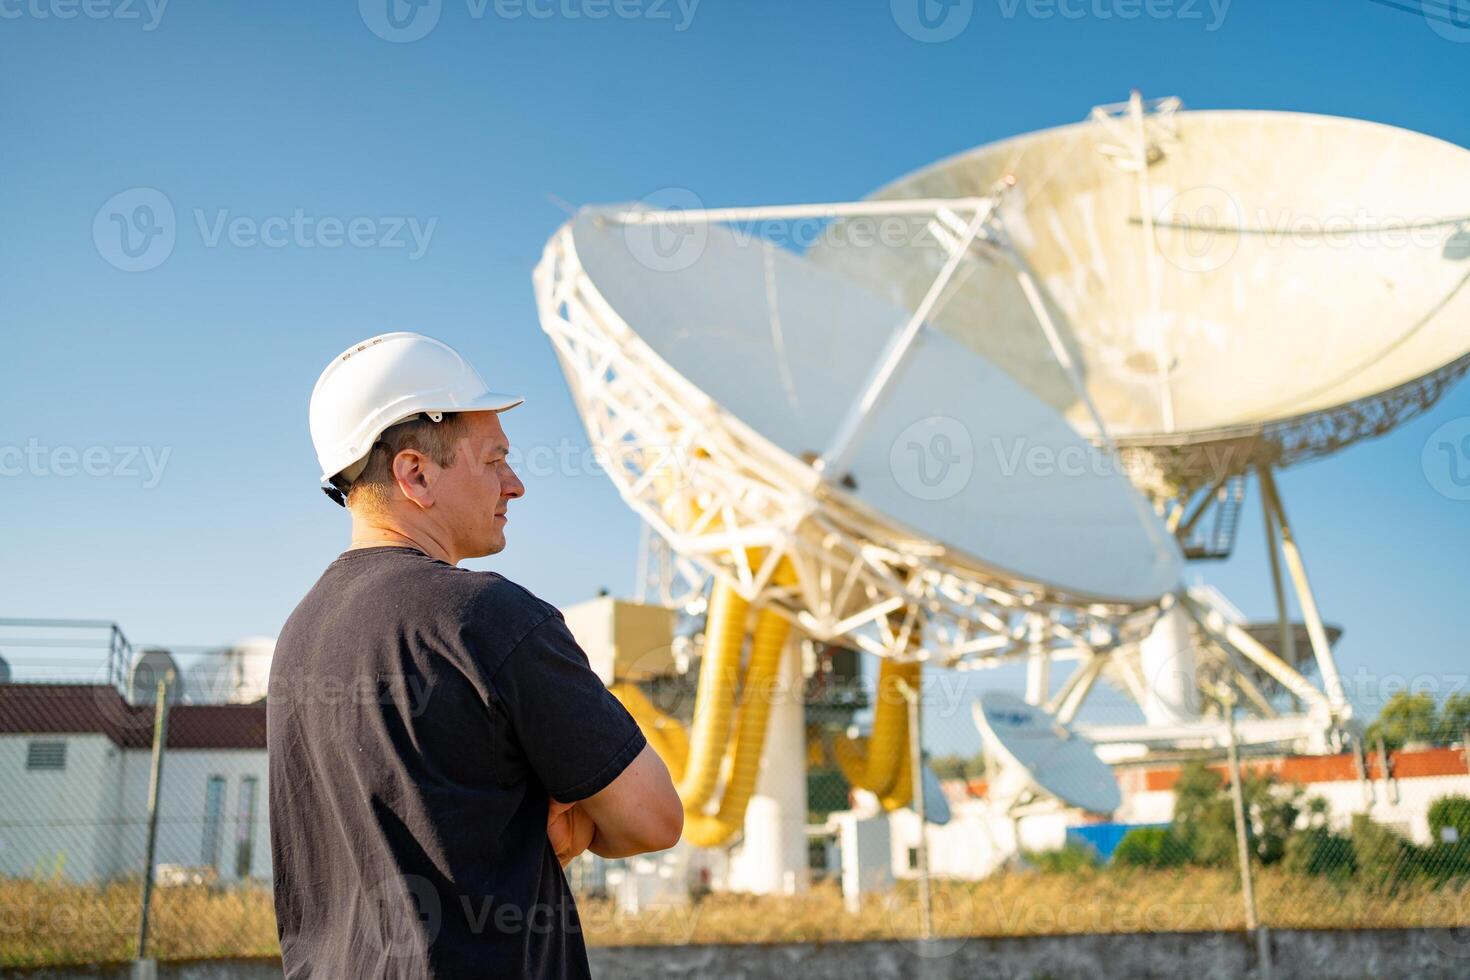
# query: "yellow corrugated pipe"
901,792
695,760
880,763
761,679
665,734
714,699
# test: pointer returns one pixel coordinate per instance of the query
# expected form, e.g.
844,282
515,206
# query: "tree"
1204,816
1454,718
1406,718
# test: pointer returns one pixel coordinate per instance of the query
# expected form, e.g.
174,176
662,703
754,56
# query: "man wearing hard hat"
439,747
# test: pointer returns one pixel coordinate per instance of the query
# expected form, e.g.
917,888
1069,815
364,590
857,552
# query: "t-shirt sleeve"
575,735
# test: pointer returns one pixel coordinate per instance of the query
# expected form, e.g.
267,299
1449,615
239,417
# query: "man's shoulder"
492,605
507,601
407,587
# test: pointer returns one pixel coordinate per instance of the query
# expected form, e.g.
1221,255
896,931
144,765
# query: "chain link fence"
90,768
1372,837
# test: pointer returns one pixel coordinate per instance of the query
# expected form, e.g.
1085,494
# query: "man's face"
471,496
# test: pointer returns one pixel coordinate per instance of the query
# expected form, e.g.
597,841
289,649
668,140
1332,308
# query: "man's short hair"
375,486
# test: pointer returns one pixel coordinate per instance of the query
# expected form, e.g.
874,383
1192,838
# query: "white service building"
75,765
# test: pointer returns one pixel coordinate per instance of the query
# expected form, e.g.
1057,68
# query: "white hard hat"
386,380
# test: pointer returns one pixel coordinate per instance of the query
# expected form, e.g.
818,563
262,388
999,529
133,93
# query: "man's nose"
514,487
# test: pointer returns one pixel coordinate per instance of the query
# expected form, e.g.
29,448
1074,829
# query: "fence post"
155,781
1242,841
916,782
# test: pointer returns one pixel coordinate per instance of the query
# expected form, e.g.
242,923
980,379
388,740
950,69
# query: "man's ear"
412,477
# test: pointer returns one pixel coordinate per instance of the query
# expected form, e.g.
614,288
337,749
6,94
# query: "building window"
46,755
214,809
913,859
245,827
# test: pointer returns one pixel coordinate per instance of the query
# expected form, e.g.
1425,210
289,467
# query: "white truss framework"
861,580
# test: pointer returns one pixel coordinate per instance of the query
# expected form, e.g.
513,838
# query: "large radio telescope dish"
714,385
1275,285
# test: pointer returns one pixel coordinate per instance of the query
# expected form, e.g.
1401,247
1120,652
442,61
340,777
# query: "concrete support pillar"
1167,658
1038,661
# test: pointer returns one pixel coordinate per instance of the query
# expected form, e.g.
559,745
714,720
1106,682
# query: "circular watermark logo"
1446,459
934,458
668,246
1450,19
1452,940
400,21
951,917
1198,229
932,21
135,230
406,916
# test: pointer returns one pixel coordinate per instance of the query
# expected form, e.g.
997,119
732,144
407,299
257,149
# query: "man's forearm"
609,845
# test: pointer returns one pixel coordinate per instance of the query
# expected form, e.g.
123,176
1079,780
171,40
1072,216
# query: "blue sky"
471,134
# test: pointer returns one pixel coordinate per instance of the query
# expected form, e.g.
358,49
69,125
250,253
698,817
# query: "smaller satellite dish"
1041,757
936,805
237,674
152,665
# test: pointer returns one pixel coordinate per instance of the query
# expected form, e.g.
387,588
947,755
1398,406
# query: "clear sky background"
259,110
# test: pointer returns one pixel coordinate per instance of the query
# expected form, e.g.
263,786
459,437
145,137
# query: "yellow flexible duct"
665,734
880,763
714,700
902,791
759,689
695,763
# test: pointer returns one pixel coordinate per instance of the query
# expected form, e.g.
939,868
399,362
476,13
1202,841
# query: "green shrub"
1443,862
1450,811
1383,856
1318,851
1151,847
1067,859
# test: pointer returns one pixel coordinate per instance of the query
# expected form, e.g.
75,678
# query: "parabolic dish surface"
1266,266
956,453
1057,761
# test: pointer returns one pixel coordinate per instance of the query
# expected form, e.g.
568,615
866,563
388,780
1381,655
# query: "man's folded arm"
639,811
585,747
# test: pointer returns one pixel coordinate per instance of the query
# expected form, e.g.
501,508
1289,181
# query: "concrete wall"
1389,954
1370,954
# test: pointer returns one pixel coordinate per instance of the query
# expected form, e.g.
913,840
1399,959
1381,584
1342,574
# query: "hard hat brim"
490,401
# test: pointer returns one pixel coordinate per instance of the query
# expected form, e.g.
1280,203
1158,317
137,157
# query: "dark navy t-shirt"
419,717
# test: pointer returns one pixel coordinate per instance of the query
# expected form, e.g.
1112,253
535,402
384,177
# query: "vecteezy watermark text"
405,21
301,230
1211,12
149,13
35,459
934,21
136,230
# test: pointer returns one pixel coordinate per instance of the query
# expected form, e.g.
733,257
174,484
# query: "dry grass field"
44,923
